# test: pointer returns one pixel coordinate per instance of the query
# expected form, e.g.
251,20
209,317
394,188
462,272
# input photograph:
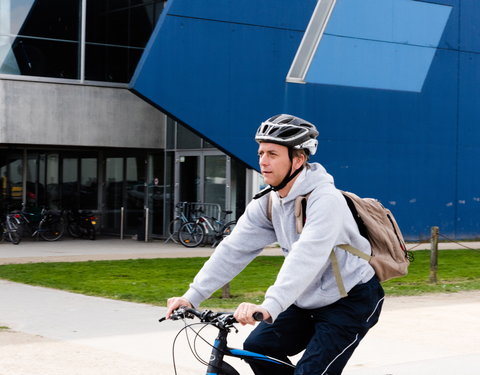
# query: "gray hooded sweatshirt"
306,278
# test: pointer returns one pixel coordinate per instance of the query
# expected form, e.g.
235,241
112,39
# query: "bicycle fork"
216,365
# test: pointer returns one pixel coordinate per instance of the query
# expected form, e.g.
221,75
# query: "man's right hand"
174,303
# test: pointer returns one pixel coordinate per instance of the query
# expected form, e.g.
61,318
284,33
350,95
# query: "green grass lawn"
154,280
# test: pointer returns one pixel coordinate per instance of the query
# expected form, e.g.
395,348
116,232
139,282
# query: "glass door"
190,178
201,176
114,175
215,179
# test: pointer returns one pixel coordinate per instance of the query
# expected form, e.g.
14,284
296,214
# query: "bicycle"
81,224
177,222
224,322
205,229
9,229
48,224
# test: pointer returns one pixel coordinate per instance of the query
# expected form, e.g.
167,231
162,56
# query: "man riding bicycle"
303,309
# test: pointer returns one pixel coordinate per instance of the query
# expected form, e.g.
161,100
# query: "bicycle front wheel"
11,232
174,228
191,234
227,228
51,229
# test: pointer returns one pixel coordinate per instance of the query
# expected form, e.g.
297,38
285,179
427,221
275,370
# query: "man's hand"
244,313
174,303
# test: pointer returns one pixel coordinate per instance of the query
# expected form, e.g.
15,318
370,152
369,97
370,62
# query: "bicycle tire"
74,230
91,232
227,228
191,234
174,228
11,232
14,237
51,230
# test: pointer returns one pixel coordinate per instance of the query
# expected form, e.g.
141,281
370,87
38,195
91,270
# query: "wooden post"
226,291
434,255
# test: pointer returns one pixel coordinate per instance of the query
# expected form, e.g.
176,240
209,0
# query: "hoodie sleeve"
309,255
251,234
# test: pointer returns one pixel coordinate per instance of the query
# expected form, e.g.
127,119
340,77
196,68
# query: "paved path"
54,332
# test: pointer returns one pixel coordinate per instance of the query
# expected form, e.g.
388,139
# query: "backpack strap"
300,218
269,207
300,210
338,275
355,251
336,267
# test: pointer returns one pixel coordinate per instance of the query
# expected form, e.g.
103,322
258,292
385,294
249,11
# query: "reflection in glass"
39,57
135,179
156,192
113,193
11,170
215,179
42,37
53,194
39,38
88,183
110,63
70,196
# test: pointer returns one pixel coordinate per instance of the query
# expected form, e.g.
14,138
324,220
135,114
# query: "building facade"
127,107
72,134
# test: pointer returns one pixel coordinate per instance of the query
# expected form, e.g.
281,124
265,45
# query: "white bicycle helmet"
290,131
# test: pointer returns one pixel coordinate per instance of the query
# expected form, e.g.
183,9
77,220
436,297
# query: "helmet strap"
286,180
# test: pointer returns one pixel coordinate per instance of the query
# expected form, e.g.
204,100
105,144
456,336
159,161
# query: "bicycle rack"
191,210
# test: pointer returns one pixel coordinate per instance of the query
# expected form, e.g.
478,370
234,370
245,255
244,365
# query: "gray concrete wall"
41,113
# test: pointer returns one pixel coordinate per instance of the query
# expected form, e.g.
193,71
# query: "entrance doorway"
203,176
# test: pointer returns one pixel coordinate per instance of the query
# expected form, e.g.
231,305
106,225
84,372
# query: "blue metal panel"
266,13
220,67
470,26
468,202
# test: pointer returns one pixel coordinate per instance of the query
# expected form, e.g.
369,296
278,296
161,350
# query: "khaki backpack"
376,223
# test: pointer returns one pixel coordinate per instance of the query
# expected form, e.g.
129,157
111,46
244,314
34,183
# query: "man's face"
274,162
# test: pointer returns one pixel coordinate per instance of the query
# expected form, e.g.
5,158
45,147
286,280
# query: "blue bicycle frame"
217,366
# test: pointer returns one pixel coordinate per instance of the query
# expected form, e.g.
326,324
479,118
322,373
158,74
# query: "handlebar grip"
258,316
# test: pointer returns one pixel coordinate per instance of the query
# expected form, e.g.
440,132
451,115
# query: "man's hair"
299,153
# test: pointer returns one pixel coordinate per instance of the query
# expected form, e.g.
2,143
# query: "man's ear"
298,161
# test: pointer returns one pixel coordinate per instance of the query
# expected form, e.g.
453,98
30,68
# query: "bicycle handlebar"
220,319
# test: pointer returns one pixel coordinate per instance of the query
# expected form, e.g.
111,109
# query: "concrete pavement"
56,332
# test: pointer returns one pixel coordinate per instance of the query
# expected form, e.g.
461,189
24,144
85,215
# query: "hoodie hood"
314,175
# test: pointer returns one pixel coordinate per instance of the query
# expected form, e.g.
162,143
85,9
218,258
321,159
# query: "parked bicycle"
180,219
224,322
205,229
9,229
81,224
47,224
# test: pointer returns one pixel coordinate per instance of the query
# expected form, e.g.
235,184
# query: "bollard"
434,255
122,216
226,291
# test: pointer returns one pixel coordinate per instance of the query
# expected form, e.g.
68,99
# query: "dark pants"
329,334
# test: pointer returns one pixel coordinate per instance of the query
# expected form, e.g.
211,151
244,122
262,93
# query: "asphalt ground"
46,331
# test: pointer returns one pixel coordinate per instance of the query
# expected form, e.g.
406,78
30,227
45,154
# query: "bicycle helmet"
290,131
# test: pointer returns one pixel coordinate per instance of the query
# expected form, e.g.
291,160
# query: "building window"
311,38
116,34
47,38
40,38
